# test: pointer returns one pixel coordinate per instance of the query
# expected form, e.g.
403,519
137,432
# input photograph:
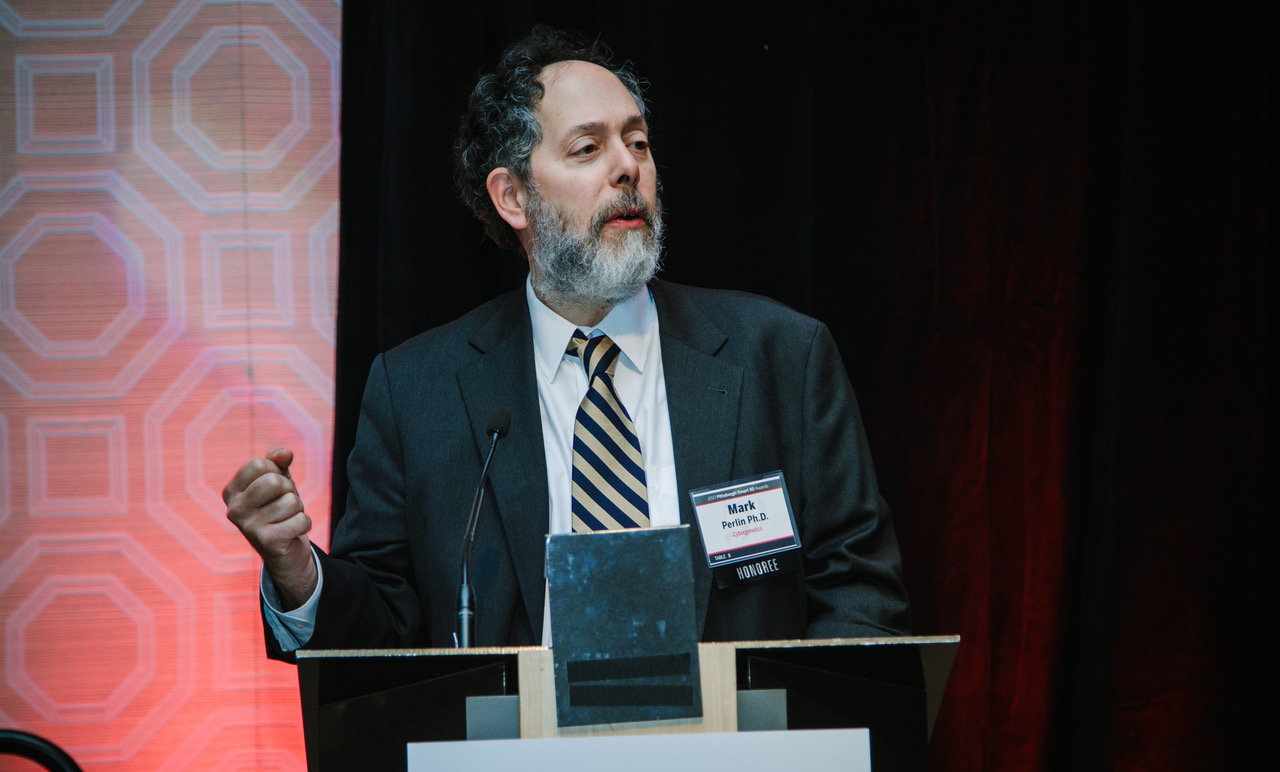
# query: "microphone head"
499,422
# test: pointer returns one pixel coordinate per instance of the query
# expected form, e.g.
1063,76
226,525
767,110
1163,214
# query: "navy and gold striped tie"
608,471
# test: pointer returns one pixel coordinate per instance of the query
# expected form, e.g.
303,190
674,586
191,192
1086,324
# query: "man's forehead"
579,94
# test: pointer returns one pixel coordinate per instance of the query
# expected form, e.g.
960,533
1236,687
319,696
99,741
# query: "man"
706,387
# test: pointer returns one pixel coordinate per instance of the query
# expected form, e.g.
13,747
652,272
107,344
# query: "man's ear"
509,197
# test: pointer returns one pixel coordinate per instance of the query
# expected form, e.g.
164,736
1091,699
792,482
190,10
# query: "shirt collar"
631,325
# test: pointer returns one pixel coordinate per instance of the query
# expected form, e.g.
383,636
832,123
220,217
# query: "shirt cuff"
292,628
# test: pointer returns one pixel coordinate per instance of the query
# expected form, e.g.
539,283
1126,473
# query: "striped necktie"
608,470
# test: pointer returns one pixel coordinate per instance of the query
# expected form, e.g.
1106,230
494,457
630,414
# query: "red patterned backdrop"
168,262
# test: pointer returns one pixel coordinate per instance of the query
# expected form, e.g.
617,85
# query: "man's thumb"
281,457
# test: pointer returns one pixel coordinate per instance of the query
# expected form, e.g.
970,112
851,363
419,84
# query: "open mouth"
628,217
628,212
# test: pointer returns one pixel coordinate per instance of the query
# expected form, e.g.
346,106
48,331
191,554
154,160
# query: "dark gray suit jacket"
752,387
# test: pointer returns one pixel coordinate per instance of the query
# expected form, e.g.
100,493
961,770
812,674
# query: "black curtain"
1039,236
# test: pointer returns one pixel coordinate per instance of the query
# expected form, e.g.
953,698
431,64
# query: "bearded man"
680,389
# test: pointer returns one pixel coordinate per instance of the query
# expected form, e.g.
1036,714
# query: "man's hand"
264,504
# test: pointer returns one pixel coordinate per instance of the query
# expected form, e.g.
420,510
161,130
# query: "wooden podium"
361,707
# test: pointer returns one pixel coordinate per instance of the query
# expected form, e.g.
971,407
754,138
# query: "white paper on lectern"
844,749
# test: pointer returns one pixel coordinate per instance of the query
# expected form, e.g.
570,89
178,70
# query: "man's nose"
626,169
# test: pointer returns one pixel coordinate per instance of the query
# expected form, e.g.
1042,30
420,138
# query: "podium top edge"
900,640
475,650
916,640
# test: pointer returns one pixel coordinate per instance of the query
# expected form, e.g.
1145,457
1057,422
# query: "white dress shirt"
562,383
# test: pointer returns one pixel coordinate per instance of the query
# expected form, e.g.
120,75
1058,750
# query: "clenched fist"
263,503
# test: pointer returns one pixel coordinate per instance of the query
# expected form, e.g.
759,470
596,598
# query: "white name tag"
745,520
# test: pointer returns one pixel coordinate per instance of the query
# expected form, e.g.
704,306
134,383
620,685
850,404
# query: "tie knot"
599,354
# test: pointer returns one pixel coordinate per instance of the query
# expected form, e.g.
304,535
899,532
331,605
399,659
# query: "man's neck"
583,313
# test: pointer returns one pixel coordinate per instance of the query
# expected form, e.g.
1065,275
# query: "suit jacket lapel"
504,376
703,396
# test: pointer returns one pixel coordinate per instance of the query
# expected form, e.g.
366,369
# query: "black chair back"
15,742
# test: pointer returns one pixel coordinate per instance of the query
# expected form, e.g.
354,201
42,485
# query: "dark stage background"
1040,238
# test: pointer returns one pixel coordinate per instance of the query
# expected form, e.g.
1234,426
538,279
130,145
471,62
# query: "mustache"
629,202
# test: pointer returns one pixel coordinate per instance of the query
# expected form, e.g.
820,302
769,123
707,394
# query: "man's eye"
640,144
585,150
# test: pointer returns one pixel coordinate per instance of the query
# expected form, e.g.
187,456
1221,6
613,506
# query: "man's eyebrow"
599,127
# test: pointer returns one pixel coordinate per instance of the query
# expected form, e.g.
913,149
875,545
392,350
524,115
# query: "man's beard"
574,266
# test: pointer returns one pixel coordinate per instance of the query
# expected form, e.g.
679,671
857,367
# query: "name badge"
747,528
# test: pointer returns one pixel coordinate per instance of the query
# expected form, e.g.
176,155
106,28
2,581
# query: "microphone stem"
466,622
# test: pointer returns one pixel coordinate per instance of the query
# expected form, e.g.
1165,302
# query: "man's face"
594,217
595,146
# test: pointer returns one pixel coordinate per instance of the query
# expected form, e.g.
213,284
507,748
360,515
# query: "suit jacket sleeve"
853,571
369,599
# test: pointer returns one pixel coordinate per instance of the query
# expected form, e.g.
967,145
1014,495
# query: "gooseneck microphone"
496,428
